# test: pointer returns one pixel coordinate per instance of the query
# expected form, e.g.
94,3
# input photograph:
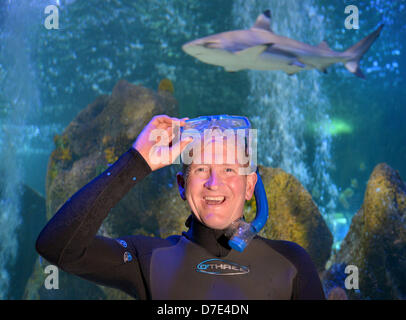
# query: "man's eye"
229,170
202,169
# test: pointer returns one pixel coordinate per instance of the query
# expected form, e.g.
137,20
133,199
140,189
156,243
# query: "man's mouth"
214,200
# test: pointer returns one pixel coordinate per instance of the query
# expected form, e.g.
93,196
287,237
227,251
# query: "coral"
109,155
65,155
166,85
62,151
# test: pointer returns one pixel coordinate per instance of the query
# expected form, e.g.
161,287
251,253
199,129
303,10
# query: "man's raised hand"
159,142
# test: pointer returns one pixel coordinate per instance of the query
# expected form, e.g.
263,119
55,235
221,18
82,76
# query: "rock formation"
376,240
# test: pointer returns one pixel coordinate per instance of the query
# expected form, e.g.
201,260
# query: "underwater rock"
99,134
293,215
32,221
376,240
110,125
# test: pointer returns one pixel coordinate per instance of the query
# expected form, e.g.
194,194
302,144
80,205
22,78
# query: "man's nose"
214,181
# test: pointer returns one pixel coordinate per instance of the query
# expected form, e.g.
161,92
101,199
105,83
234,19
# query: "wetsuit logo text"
221,267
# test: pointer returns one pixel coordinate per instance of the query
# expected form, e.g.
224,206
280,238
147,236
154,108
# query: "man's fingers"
178,148
156,120
165,121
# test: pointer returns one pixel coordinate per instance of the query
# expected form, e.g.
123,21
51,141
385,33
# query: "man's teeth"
214,198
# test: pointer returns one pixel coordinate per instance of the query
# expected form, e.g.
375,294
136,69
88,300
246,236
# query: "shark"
259,48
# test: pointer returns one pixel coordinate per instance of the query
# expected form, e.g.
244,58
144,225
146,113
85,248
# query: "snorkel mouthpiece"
243,232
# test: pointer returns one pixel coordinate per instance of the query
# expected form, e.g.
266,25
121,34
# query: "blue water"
48,76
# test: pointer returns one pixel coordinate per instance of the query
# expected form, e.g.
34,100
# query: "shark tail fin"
356,52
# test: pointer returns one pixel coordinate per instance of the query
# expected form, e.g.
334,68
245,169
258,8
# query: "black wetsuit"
196,265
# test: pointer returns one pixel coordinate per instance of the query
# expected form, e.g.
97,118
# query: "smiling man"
199,264
216,188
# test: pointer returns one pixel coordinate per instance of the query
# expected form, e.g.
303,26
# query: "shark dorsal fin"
263,21
324,45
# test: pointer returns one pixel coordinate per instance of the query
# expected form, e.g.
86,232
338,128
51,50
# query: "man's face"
216,192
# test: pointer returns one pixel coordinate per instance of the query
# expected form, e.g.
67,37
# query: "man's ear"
251,182
181,185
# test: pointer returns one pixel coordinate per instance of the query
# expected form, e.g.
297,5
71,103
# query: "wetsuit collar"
212,240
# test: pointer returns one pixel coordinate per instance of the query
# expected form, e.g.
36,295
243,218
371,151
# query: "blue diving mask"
221,121
240,232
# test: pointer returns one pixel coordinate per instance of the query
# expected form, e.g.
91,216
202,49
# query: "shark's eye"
211,44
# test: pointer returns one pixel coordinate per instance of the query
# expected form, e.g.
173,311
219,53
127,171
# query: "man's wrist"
139,158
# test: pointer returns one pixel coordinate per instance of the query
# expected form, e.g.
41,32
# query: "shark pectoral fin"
297,63
253,51
263,21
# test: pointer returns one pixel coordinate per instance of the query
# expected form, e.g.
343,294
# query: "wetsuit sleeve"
69,239
307,284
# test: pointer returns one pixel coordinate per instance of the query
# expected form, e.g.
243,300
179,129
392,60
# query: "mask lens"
222,122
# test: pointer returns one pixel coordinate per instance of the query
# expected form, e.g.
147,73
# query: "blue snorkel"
243,232
240,232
